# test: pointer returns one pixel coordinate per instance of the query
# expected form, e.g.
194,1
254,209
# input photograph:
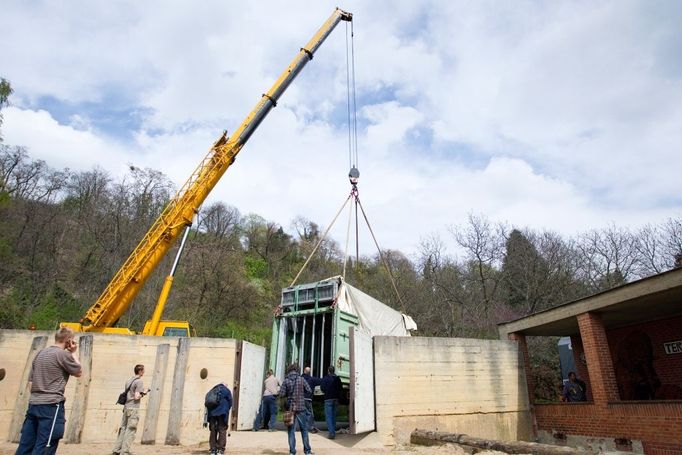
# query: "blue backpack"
213,398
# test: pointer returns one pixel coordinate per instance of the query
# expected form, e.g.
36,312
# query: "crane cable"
319,242
355,135
353,164
345,256
381,255
353,175
351,99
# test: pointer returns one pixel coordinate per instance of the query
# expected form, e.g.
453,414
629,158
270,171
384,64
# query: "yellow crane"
178,215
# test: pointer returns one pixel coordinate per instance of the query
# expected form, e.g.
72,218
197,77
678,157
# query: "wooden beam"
80,402
175,414
429,438
24,393
158,380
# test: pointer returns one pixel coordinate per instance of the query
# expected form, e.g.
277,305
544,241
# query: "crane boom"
127,282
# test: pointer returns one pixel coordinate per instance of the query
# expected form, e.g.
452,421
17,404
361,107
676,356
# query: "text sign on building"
673,347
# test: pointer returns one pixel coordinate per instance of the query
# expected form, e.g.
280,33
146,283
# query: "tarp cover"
375,317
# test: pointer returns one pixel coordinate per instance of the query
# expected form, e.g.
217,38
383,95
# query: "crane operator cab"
164,328
169,329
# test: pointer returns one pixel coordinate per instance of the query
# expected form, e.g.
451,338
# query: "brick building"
627,347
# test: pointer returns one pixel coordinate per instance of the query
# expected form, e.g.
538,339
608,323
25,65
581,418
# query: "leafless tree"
483,244
672,230
609,257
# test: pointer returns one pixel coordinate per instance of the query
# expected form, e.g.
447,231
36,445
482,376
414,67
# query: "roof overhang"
648,299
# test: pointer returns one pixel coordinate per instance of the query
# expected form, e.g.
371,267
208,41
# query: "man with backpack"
134,391
218,402
294,390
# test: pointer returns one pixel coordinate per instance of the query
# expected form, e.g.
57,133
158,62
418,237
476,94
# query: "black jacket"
332,387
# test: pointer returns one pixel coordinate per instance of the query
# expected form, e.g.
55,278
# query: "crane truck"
104,314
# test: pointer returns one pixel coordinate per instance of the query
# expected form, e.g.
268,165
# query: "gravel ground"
263,443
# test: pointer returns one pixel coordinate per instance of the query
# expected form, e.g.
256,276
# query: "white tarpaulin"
375,317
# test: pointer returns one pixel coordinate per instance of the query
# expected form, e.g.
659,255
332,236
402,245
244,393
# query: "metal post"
282,348
294,344
322,351
305,318
312,353
312,344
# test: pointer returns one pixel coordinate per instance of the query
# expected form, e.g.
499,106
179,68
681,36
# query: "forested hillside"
63,234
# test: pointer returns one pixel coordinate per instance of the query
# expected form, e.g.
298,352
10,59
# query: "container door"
361,409
251,370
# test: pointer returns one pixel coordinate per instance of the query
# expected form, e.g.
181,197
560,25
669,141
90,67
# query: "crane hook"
354,176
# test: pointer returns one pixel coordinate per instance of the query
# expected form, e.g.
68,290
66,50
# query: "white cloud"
61,146
568,113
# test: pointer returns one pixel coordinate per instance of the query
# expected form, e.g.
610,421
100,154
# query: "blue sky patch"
113,116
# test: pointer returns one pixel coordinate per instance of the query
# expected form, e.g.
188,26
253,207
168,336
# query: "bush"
256,335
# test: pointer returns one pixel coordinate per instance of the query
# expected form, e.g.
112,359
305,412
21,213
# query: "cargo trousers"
126,433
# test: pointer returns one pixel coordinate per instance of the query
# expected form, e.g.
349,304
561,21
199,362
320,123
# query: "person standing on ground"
294,390
312,382
44,423
131,412
268,406
216,419
332,388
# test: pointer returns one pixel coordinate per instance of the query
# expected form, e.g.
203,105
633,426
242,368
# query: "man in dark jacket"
574,389
294,390
312,382
216,420
332,388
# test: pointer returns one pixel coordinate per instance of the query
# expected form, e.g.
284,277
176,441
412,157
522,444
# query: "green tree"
525,272
5,92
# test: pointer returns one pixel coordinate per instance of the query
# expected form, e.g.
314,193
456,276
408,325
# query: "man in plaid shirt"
294,389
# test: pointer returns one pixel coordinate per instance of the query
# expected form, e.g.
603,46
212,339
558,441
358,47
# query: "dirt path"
260,443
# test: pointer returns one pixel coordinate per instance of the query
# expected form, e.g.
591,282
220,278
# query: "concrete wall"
113,359
457,385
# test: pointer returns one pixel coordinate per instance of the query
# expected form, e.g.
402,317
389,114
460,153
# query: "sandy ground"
274,443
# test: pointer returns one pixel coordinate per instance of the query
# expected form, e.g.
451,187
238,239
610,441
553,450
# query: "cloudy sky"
550,115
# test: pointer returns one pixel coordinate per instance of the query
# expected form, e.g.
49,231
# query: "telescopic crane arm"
179,213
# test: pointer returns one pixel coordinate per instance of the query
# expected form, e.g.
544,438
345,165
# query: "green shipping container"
313,321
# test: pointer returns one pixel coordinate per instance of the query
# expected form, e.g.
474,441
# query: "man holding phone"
131,412
44,423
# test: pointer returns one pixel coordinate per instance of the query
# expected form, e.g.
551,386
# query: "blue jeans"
44,424
300,419
267,411
330,414
310,415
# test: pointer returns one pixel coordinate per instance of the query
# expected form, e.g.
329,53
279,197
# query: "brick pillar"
520,338
598,356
